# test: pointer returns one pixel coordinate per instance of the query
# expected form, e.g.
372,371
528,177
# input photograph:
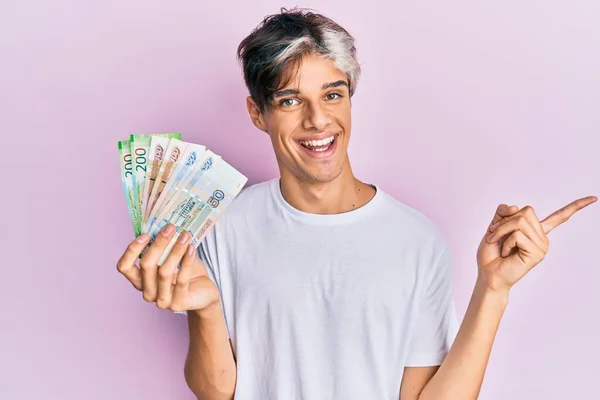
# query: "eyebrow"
325,86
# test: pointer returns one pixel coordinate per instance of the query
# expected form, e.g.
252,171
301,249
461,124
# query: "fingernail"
494,226
143,238
489,238
184,237
168,230
190,250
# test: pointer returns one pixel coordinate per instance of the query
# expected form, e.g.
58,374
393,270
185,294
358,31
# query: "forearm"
210,369
461,374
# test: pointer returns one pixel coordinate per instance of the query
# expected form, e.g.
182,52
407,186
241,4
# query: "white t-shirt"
327,307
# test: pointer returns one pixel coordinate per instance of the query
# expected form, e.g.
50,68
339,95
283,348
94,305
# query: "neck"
344,193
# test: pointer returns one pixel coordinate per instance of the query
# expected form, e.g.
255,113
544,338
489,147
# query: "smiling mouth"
319,145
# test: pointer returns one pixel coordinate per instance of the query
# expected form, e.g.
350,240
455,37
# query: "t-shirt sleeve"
436,323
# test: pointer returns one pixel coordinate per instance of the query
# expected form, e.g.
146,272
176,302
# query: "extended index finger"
126,264
561,216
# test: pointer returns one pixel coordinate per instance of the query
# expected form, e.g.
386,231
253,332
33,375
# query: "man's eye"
330,96
287,102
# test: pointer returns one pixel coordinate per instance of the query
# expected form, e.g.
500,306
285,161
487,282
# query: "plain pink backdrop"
461,106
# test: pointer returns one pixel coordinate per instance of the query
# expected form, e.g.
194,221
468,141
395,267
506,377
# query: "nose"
316,117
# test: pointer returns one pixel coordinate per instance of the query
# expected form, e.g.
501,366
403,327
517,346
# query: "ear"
255,115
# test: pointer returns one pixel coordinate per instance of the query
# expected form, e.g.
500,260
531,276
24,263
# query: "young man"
316,285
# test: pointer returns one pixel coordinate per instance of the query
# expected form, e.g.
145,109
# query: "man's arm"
461,374
515,242
210,368
414,380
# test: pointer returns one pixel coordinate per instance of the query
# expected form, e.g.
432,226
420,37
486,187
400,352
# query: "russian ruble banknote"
172,157
185,192
127,180
184,206
196,210
140,146
182,178
158,148
167,180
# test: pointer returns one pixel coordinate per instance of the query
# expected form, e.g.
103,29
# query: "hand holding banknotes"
188,288
176,191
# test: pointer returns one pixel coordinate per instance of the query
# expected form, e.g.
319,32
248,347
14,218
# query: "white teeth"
316,143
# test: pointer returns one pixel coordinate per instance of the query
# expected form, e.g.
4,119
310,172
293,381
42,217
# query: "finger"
194,289
191,266
502,211
527,251
529,213
532,217
560,216
126,264
148,263
180,300
519,223
167,272
505,210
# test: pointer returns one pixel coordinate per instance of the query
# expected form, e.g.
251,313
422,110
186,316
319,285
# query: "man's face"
309,123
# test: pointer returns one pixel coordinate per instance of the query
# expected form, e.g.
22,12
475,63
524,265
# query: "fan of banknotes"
166,180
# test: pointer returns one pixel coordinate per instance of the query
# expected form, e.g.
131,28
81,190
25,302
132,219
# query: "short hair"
282,40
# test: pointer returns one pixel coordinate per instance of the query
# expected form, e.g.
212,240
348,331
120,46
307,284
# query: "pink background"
460,107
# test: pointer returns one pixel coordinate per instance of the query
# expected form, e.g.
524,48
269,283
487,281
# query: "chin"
311,175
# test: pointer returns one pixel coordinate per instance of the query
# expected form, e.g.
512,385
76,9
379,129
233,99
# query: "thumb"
503,210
